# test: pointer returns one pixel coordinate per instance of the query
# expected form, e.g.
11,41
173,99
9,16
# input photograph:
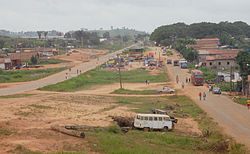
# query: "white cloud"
145,15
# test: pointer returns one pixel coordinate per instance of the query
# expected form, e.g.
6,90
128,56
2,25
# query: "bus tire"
146,129
165,129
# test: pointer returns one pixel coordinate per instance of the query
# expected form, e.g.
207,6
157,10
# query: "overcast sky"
145,15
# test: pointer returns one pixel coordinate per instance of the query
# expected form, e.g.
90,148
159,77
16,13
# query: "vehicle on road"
169,61
183,63
176,63
165,90
197,77
216,91
153,122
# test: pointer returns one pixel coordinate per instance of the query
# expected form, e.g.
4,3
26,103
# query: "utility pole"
120,72
231,70
216,74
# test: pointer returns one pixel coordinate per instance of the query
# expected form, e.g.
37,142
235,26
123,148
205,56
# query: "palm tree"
45,33
39,33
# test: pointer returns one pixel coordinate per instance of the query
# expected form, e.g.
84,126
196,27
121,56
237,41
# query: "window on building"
210,63
219,63
228,63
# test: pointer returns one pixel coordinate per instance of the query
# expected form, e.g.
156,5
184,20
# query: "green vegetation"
40,106
209,73
241,100
229,33
33,60
5,131
112,140
243,59
48,61
169,53
16,96
62,52
134,92
225,86
27,75
95,77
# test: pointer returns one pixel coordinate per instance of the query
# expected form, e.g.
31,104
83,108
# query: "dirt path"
234,118
59,77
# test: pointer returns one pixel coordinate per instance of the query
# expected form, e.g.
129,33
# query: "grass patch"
5,131
241,100
62,52
40,106
49,61
16,96
212,140
101,77
134,92
27,75
21,113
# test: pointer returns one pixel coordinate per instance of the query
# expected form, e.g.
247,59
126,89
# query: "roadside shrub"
224,86
114,129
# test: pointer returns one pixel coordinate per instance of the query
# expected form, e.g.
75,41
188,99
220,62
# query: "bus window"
145,118
138,117
150,119
166,119
155,119
160,118
141,118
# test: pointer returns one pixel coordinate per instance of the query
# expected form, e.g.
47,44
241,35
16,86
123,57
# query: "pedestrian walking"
200,95
146,82
66,76
204,96
189,80
80,71
186,79
77,71
177,79
182,85
209,88
248,104
69,69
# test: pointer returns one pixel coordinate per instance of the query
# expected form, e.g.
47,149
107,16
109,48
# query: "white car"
165,90
153,121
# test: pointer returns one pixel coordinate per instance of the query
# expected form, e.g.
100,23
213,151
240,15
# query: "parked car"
176,63
169,61
217,91
165,90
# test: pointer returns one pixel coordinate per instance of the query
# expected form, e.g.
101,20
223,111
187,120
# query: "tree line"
180,34
228,33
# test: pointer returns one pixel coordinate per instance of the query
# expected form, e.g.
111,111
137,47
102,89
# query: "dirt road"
61,76
234,118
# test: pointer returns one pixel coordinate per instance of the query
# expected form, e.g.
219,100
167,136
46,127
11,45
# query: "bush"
224,86
114,129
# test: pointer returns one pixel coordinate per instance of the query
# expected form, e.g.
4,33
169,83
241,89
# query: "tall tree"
39,33
243,59
45,33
